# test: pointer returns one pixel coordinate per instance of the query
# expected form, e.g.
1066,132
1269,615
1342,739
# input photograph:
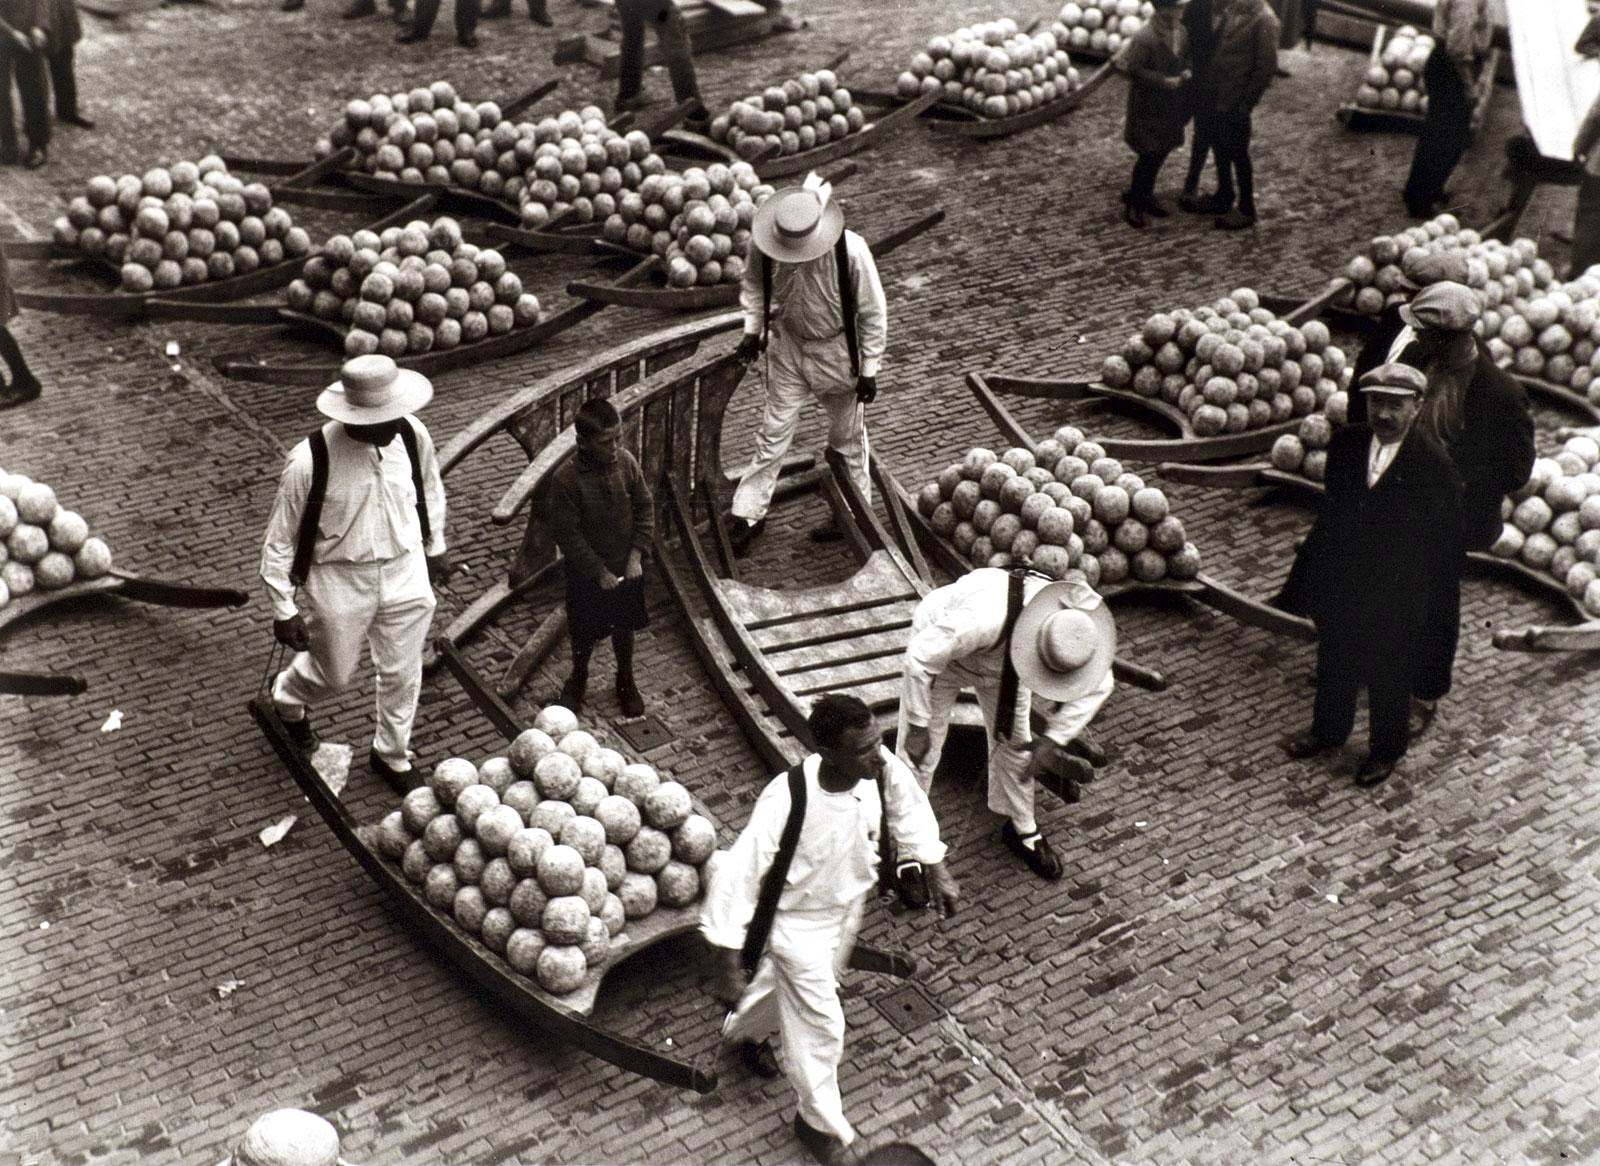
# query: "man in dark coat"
1242,66
1384,538
1462,31
1479,414
22,57
1153,128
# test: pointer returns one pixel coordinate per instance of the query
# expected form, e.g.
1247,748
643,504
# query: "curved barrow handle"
169,594
1584,637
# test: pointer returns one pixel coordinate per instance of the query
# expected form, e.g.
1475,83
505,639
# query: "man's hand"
866,389
749,348
41,42
292,633
440,568
21,40
917,743
728,981
608,581
943,892
635,566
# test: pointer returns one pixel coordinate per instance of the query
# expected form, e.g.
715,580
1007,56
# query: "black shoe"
825,1148
1210,204
742,533
1133,215
19,392
83,123
411,36
538,14
402,781
9,156
1421,717
470,41
1089,749
36,158
911,884
291,5
630,104
1373,772
495,10
1304,745
628,697
1156,208
1040,857
759,1059
1235,220
301,735
572,694
828,532
1064,784
359,9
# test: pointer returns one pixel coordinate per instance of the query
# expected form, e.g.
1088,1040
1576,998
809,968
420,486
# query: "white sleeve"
1069,718
750,292
912,824
958,631
872,308
283,531
432,490
736,874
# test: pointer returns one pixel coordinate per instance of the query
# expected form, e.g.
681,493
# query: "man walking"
1039,655
811,296
354,543
1462,30
1478,413
673,37
602,517
1384,539
785,902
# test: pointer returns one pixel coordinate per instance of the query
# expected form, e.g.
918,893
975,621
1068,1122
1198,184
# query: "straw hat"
288,1137
797,225
1064,640
373,389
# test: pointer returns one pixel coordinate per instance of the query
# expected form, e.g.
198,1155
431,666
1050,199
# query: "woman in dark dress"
1155,64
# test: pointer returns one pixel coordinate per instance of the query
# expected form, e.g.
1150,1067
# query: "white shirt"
805,299
835,861
1379,458
369,513
963,622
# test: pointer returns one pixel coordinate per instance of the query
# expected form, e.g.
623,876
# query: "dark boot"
20,391
358,9
572,692
628,695
538,13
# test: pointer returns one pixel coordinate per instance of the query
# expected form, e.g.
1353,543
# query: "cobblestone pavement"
1249,960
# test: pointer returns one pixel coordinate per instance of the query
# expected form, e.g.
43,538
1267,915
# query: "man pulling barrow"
784,904
812,298
353,547
1039,655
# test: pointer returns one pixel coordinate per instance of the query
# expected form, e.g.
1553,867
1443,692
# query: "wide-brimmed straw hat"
373,389
799,224
1064,641
287,1137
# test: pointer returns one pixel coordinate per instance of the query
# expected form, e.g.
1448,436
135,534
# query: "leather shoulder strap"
847,303
1006,709
311,517
408,435
766,290
772,883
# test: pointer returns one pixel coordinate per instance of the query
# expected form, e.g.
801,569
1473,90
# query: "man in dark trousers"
602,516
427,11
1384,538
1462,30
1200,29
1242,67
1479,414
673,37
22,56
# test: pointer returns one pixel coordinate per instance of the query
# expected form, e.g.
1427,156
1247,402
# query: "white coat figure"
369,580
794,992
1061,649
794,237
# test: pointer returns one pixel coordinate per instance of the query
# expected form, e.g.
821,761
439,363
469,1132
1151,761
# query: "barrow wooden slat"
465,202
256,314
552,243
878,582
863,622
869,636
824,676
564,1017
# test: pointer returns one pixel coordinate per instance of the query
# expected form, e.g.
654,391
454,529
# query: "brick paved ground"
1248,961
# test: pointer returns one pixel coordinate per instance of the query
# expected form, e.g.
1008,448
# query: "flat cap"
1420,268
1395,377
1444,307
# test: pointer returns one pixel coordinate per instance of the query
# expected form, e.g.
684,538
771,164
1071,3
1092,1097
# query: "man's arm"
750,292
872,308
1069,718
432,492
283,531
1588,132
915,831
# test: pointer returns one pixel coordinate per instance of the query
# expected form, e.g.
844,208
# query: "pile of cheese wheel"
180,225
43,544
803,113
991,69
412,289
1100,27
698,221
1068,506
546,853
1497,269
1552,524
1305,451
1232,366
1394,80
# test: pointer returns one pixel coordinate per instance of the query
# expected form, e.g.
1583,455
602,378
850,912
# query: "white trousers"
795,994
1011,789
385,607
798,370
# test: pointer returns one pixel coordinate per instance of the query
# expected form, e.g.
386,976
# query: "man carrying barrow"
811,296
1039,655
